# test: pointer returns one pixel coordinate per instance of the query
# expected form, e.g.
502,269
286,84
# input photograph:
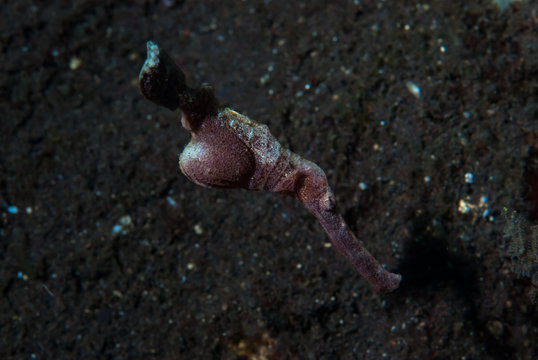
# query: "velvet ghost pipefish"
229,150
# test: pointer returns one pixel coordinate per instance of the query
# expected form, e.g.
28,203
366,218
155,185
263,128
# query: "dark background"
108,251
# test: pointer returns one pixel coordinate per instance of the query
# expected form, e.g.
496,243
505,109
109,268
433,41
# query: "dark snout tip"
160,79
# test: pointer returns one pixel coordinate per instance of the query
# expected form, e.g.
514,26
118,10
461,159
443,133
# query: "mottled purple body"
229,150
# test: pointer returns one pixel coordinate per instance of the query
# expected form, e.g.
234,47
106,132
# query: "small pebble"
413,89
198,229
469,178
75,63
